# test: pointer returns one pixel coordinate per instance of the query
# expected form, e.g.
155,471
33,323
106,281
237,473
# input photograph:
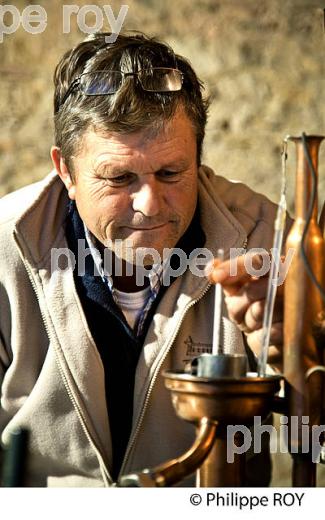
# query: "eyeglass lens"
108,82
100,83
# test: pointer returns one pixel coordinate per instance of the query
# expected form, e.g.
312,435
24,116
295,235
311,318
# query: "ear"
63,172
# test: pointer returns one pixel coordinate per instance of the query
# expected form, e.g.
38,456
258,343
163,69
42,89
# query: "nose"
147,199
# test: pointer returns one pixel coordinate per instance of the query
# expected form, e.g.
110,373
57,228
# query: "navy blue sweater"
117,344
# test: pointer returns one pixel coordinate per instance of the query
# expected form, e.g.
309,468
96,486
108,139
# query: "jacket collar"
36,236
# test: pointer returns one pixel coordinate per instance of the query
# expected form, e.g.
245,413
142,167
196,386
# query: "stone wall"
262,62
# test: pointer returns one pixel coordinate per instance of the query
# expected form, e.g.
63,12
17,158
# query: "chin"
147,255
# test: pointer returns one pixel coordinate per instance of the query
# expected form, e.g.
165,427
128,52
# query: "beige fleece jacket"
51,374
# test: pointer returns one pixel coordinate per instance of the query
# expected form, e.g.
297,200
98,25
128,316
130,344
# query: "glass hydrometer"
216,343
279,227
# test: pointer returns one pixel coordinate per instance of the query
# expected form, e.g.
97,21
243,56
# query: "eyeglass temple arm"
70,89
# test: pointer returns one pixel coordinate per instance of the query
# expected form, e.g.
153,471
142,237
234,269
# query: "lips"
152,228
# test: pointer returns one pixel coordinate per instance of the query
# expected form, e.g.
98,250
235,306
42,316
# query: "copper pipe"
321,222
303,472
320,328
216,470
211,404
175,470
302,305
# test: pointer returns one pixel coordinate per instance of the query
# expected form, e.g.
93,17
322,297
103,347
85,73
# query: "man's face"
139,189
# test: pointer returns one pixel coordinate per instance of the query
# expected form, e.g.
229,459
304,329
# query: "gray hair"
130,109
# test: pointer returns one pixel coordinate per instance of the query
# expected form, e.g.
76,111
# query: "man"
83,344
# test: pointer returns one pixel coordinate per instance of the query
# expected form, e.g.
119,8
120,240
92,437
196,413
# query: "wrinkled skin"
137,189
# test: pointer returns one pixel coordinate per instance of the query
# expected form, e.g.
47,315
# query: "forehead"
174,138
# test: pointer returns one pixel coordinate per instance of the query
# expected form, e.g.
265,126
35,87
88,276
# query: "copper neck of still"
304,175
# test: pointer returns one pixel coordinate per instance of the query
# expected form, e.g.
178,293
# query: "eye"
119,180
169,175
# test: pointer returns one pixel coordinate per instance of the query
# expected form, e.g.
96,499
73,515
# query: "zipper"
103,469
154,378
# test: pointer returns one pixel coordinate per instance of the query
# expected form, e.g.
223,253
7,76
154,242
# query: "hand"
245,299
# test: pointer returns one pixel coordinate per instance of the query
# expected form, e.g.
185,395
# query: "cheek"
100,197
97,204
186,197
111,209
97,192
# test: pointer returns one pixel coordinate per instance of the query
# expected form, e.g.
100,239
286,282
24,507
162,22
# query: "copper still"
211,404
212,401
221,391
303,305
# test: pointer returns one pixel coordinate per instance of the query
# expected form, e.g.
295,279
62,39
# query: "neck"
124,275
128,283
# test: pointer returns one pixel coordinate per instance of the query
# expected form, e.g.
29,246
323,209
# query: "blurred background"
262,63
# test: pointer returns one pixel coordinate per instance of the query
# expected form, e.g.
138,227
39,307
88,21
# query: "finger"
238,302
254,289
254,315
238,305
276,335
237,270
275,350
275,357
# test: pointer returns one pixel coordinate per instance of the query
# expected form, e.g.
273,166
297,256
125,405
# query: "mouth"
151,228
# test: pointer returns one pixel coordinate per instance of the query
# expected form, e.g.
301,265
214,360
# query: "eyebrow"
115,170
